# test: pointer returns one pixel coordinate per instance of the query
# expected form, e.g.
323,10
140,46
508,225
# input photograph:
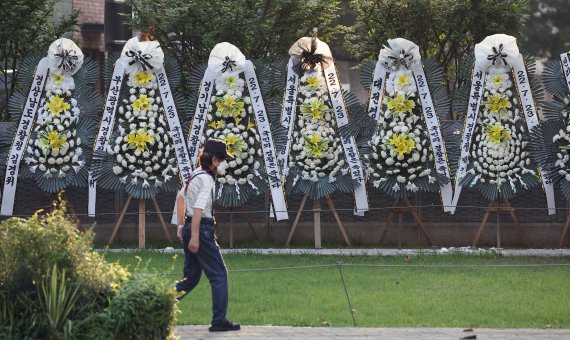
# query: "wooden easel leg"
564,232
231,228
142,223
303,202
250,224
515,218
125,207
498,230
157,208
317,223
338,221
400,226
419,221
389,219
482,225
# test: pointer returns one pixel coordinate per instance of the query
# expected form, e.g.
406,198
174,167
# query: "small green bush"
54,286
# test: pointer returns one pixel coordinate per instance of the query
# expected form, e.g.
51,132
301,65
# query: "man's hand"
194,245
179,232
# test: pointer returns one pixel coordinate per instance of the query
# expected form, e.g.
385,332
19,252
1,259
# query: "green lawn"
423,291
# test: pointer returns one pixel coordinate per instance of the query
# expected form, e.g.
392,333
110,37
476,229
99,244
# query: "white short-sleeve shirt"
200,193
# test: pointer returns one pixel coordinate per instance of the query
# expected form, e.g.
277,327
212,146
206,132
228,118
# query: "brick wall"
92,14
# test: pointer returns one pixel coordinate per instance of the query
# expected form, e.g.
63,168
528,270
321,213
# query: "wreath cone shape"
229,106
407,132
551,139
57,114
319,156
500,111
141,147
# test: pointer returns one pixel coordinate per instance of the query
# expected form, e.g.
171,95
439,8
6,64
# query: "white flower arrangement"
316,147
141,147
499,154
230,118
401,158
55,149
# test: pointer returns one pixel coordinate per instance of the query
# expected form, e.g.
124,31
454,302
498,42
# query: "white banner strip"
288,114
269,154
475,95
376,92
176,133
21,137
566,68
349,145
200,115
106,127
531,115
437,145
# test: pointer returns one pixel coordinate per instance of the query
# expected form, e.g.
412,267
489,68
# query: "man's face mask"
221,169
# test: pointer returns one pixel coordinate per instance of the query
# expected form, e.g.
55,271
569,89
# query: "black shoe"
224,327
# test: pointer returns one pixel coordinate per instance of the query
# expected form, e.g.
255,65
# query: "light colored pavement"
321,333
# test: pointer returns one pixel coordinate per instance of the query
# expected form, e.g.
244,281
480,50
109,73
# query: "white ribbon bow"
497,52
225,57
142,56
401,53
309,53
64,57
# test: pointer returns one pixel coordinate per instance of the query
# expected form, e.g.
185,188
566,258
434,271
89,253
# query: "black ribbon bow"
67,59
138,56
228,64
308,60
498,54
404,58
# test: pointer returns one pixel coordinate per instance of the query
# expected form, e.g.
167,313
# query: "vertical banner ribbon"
269,154
288,113
438,147
106,127
197,129
475,95
566,68
377,91
176,133
22,136
531,118
348,144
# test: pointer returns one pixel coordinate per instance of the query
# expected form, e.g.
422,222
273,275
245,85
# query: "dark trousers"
207,259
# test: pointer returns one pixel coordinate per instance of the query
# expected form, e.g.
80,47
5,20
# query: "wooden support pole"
303,202
498,230
487,210
164,228
564,231
317,223
400,225
338,221
125,207
389,219
142,223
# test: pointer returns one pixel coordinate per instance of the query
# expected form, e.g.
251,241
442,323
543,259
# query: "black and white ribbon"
64,57
566,68
377,92
22,136
288,113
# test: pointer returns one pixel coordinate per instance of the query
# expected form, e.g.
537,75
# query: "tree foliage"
27,26
261,29
547,30
443,29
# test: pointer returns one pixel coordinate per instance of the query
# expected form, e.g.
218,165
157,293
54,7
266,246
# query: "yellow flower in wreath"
400,104
58,78
228,107
497,80
141,103
402,144
315,145
497,133
403,80
313,82
497,102
139,139
143,78
57,105
235,145
315,109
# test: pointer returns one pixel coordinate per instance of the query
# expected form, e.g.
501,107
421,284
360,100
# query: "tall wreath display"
57,114
140,148
551,139
500,111
320,156
230,106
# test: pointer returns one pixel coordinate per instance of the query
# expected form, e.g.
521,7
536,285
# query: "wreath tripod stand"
497,207
400,211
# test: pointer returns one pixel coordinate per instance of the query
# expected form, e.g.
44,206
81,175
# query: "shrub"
54,286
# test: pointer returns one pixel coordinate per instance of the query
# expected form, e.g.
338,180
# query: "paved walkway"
321,333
